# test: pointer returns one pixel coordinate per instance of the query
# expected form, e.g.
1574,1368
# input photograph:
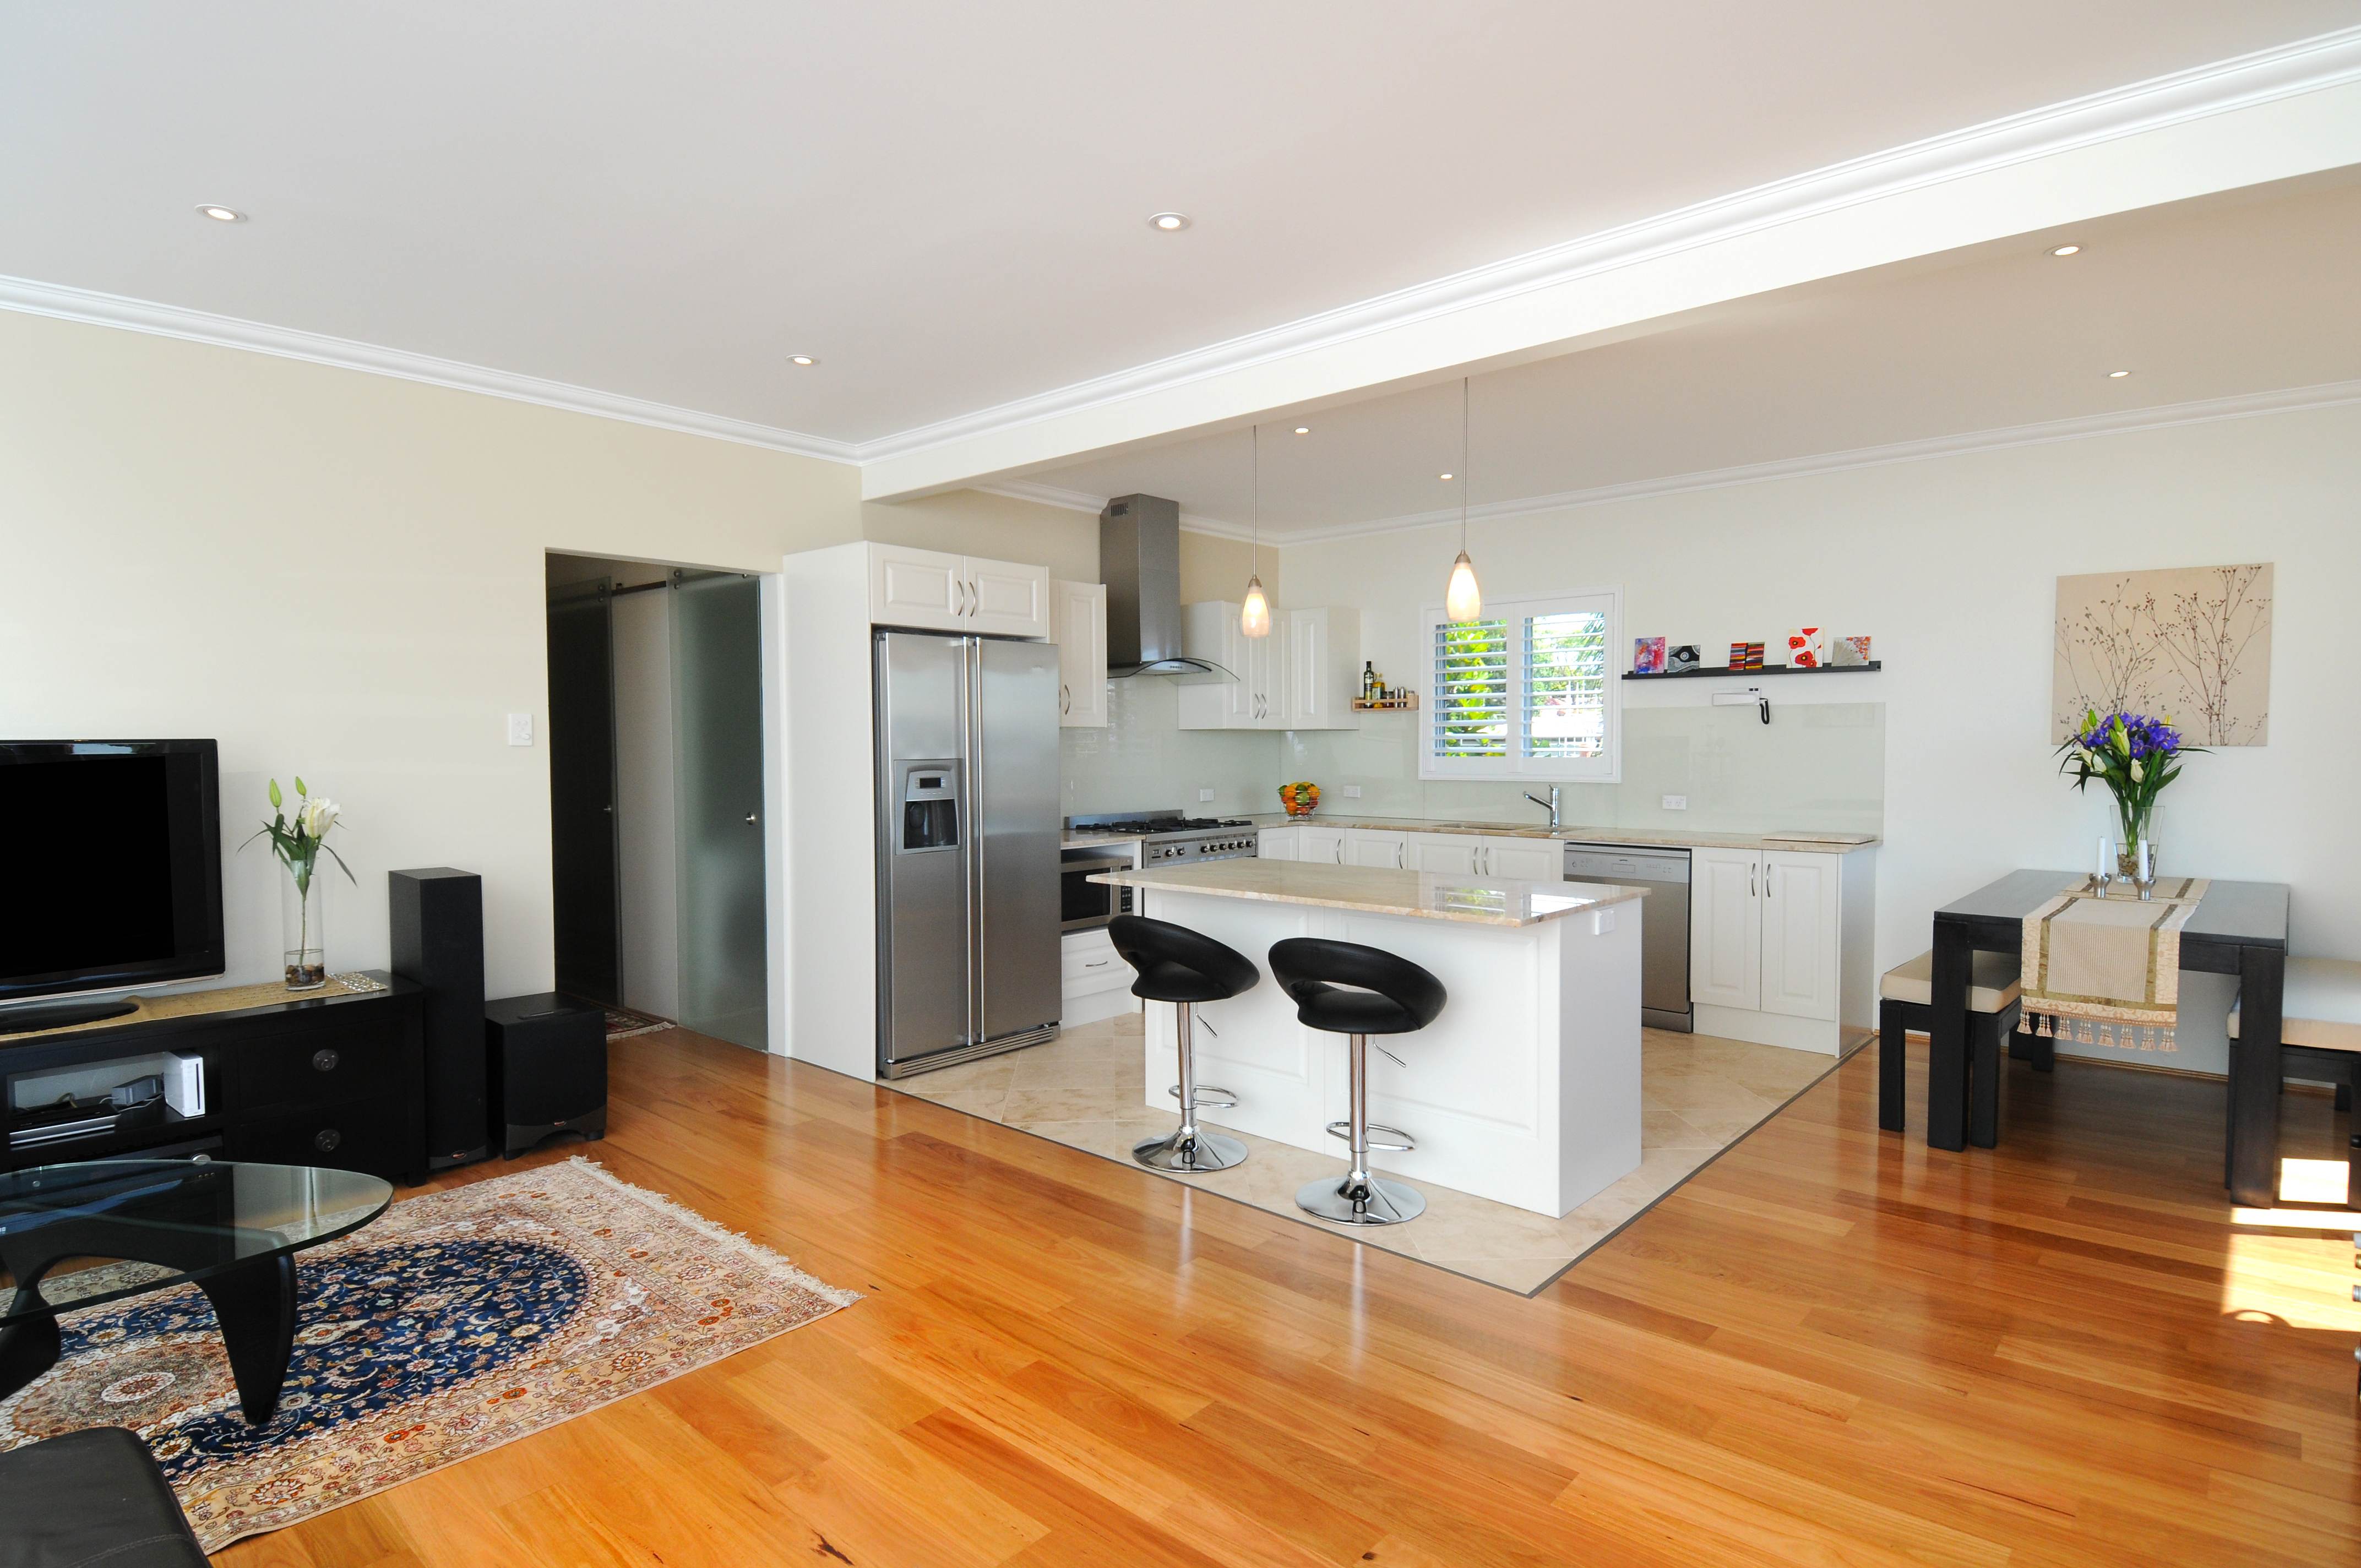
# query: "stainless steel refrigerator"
967,848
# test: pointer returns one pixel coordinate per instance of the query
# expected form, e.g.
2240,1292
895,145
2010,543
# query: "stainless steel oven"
1084,905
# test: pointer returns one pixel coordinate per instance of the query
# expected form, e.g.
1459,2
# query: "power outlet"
1677,803
1602,920
1350,792
1204,795
519,728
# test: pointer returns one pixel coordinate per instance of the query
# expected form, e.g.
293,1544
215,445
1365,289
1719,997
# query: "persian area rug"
460,1321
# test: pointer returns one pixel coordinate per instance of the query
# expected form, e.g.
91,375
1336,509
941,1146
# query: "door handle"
974,599
749,819
1751,891
1398,856
1065,699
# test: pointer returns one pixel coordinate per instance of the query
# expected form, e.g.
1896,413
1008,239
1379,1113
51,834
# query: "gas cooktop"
1168,836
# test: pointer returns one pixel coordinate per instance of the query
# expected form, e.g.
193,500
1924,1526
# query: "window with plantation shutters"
1528,691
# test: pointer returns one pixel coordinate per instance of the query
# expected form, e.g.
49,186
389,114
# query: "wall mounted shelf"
1407,704
1726,672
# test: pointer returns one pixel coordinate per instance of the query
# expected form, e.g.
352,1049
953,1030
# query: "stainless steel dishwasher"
1663,921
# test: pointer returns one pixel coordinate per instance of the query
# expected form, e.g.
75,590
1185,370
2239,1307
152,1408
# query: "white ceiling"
2218,298
946,202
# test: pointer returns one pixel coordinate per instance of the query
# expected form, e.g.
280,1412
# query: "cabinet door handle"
1398,856
323,1060
1101,964
1751,891
1065,698
974,599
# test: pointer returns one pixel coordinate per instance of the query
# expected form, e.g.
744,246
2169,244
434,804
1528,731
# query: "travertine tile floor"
1699,1095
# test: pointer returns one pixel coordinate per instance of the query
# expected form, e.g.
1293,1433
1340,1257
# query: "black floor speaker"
548,1056
437,918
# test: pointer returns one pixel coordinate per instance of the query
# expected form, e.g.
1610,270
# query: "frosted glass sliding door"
717,747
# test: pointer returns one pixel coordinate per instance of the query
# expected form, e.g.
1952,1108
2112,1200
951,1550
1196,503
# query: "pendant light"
1462,600
1254,617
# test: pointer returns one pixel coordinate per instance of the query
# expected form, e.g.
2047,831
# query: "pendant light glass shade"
1254,618
1462,600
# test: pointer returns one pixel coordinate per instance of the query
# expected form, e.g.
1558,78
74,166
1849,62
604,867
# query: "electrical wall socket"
1350,792
1677,803
519,728
1602,921
1204,795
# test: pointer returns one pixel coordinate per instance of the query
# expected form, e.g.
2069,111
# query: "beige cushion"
1992,983
2320,1007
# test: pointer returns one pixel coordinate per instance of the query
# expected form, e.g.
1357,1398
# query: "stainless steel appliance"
1663,922
1140,559
1167,838
967,848
1084,905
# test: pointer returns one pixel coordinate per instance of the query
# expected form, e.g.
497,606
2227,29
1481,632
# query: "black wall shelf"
1726,673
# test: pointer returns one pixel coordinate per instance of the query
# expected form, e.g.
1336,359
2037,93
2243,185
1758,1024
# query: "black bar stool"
1184,968
1393,996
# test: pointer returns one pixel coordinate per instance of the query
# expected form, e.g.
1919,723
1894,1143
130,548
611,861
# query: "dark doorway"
583,877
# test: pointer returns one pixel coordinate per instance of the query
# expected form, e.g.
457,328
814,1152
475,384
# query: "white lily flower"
317,817
2137,773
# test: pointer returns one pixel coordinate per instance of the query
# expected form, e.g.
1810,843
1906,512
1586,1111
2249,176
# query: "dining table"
2239,929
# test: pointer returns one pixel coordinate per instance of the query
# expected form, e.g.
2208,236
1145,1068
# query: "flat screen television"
112,858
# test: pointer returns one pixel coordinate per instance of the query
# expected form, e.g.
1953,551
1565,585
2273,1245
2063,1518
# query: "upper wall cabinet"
957,593
1080,634
1302,677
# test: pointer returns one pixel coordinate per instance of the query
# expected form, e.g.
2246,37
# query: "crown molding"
2163,416
2160,104
67,303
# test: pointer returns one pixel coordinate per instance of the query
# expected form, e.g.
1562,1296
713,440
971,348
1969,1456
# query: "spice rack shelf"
1766,670
1405,704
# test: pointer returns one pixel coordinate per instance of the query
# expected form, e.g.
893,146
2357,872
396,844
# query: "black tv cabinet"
335,1080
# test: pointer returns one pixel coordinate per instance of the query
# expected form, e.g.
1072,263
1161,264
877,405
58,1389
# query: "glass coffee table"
76,1236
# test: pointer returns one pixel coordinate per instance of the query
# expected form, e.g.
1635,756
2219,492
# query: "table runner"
2107,971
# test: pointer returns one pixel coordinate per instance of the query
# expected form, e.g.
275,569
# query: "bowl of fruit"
1302,798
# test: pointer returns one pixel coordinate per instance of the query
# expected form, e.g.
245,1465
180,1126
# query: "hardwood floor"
1833,1346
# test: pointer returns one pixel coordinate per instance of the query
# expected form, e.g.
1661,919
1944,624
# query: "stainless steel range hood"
1139,557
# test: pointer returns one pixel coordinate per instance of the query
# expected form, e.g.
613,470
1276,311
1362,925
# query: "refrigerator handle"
971,725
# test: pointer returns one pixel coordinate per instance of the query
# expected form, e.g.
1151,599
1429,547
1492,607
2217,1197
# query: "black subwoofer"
437,917
548,1056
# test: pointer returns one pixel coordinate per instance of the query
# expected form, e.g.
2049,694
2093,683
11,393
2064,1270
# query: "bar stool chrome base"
1364,1200
1191,1151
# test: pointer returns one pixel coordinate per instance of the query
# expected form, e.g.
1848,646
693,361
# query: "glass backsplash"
1814,767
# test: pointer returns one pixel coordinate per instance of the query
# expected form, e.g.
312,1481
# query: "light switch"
519,728
1677,803
1204,795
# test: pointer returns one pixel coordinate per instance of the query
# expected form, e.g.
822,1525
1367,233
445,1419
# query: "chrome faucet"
1551,802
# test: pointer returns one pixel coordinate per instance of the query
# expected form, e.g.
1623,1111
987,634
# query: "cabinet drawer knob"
327,1139
323,1060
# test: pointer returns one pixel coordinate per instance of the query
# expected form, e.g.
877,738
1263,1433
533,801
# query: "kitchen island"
1526,1089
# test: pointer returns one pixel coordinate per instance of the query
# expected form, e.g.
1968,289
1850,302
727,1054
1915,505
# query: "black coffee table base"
254,1301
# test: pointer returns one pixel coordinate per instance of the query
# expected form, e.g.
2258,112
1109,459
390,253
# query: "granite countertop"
1807,841
1426,896
1089,839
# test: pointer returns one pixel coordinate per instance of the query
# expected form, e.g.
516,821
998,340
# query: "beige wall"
341,574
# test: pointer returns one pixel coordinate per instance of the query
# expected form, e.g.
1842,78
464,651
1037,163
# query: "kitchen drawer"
359,1134
1081,966
313,1067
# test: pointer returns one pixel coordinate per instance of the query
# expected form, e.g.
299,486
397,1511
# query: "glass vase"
302,932
2127,863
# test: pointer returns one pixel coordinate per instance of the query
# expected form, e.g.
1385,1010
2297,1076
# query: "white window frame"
1605,768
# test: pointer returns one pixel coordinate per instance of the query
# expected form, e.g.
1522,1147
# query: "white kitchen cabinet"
1780,945
1080,628
1280,844
1387,852
1094,981
1322,845
1528,859
1209,630
1799,933
1320,658
957,593
1447,854
1726,928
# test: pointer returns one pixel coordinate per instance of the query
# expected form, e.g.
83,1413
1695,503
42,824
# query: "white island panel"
1525,1090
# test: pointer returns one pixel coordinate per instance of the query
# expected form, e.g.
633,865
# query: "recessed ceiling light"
1443,476
2067,250
801,360
2118,375
221,214
1170,223
1302,430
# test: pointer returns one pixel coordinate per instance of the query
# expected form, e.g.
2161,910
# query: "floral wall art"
2193,644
